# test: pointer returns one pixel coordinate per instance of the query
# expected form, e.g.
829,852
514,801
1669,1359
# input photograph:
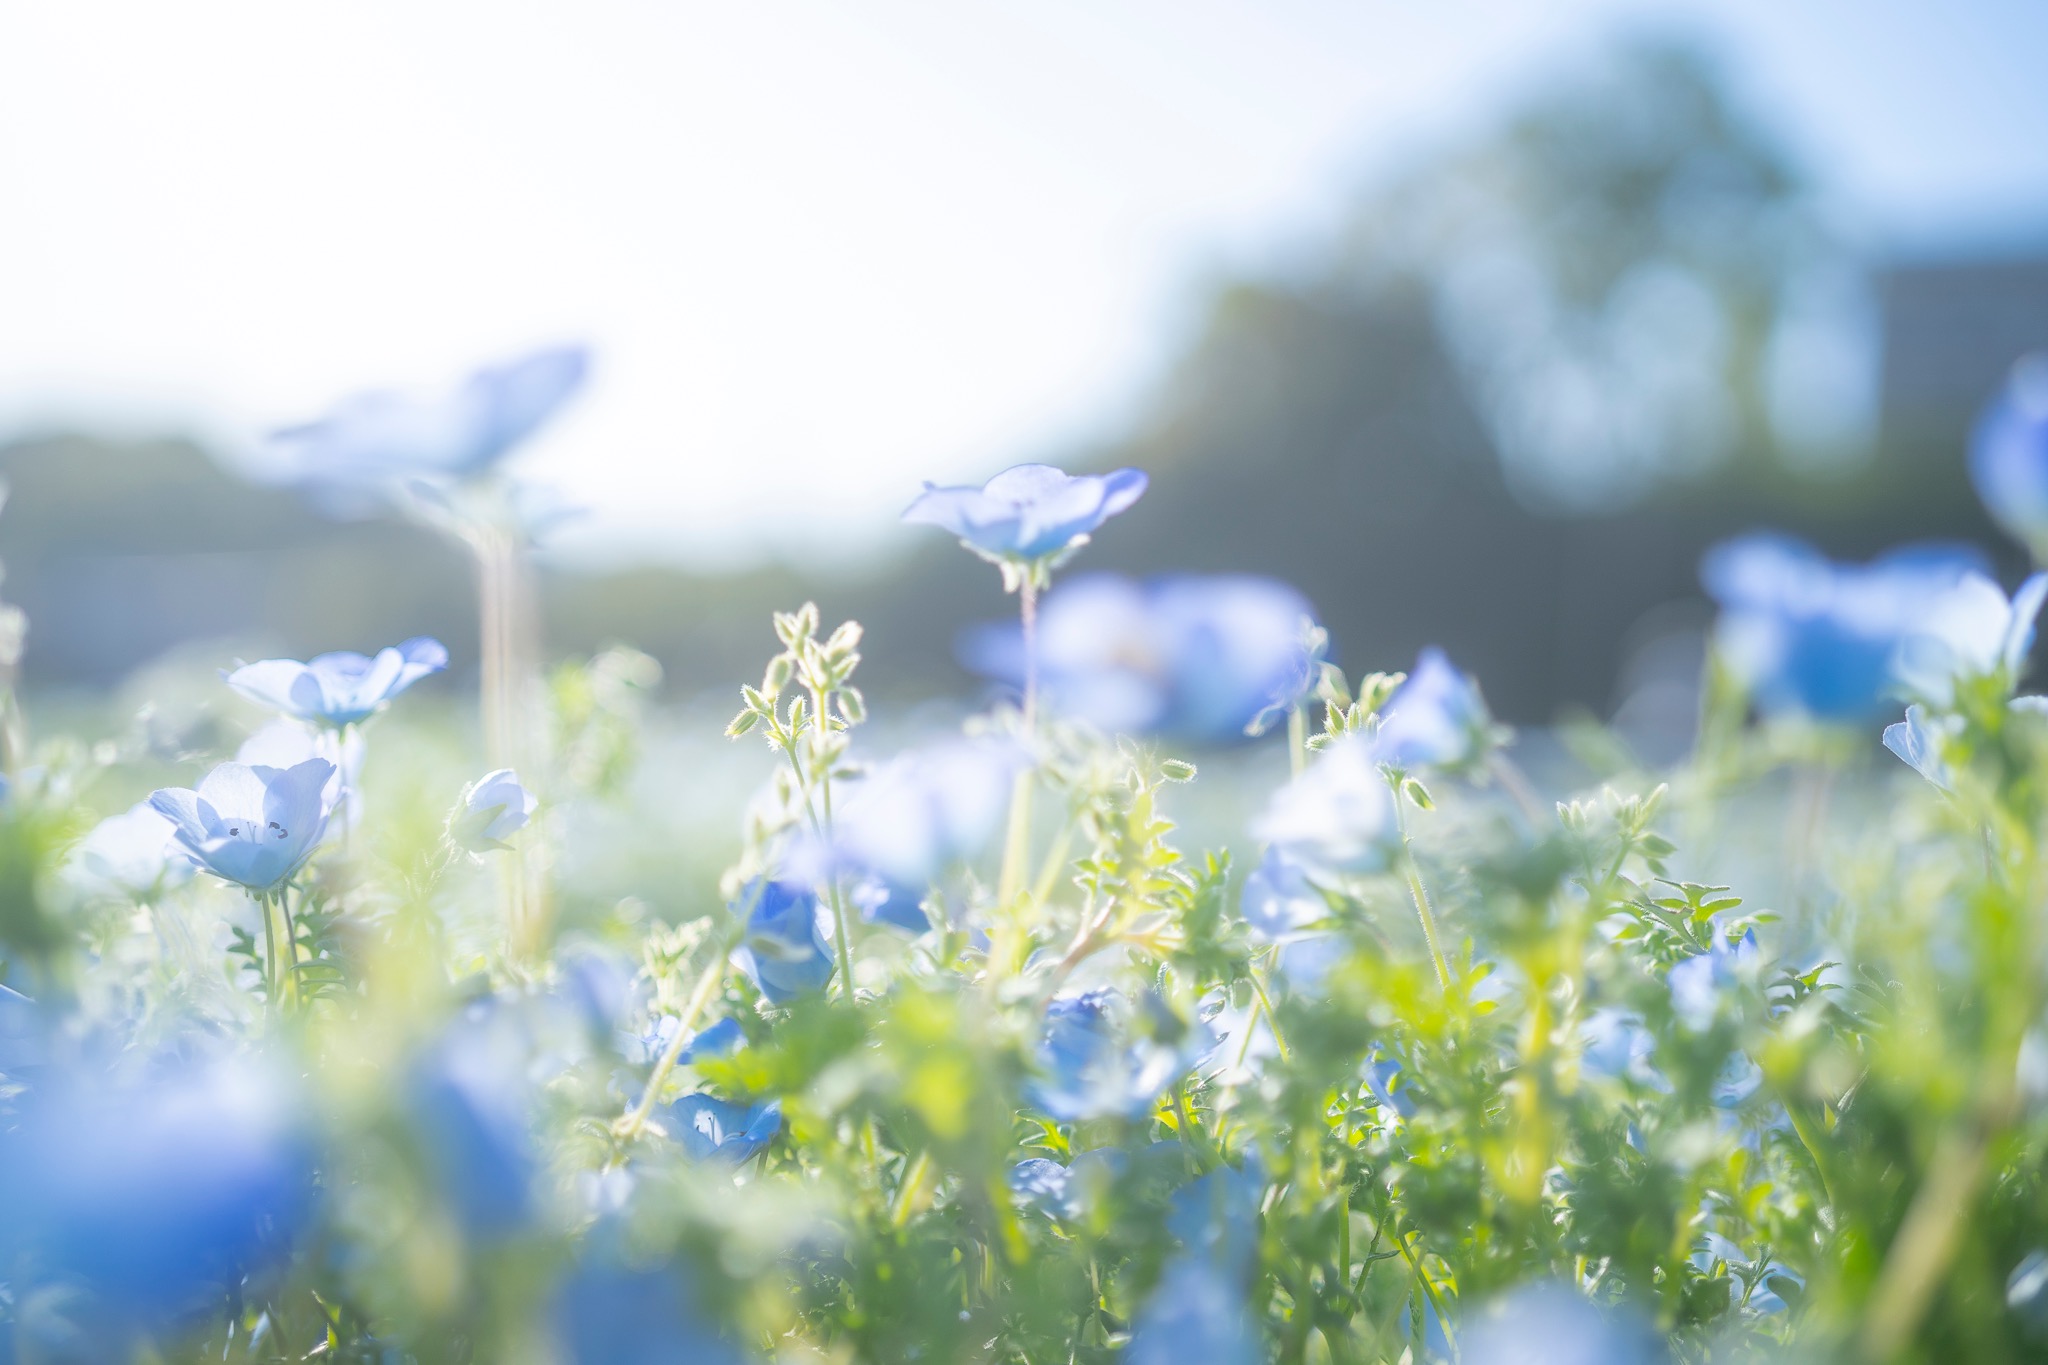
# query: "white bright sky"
824,250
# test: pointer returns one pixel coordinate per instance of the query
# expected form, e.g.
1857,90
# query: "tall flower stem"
1297,741
842,937
1027,610
1412,871
269,953
507,645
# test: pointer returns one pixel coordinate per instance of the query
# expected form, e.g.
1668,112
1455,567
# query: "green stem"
630,1126
1272,1019
842,937
269,952
1297,741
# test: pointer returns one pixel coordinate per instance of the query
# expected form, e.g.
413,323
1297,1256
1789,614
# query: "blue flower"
1279,902
470,1102
1200,658
23,1044
1092,1067
135,854
1197,1312
2009,454
911,820
610,1313
1698,982
491,810
459,434
714,1129
1551,1324
341,688
254,826
1031,512
2026,1293
155,1193
1435,719
1919,740
1071,1192
1972,631
1807,635
1338,816
722,1039
785,951
287,743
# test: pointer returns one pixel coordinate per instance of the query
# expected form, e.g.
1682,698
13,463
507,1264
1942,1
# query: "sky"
823,251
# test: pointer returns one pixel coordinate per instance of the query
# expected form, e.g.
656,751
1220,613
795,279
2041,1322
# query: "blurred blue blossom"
1615,1044
470,1101
710,1128
2009,454
1197,1312
254,826
1199,658
1919,740
1805,634
1279,901
1068,1192
1337,816
460,433
1551,1324
341,688
608,1313
491,810
596,983
785,950
1699,982
1095,1062
900,829
722,1039
23,1044
1029,512
2026,1293
1435,719
155,1193
1972,631
135,854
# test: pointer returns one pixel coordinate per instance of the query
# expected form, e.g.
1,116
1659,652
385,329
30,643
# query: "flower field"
392,1031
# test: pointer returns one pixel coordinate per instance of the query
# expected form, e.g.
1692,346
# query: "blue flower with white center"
785,951
252,826
135,855
903,827
2009,454
1200,658
1972,632
716,1130
1699,982
1337,816
154,1193
1435,719
610,1312
469,1100
1095,1062
459,434
491,810
1807,635
341,688
1029,513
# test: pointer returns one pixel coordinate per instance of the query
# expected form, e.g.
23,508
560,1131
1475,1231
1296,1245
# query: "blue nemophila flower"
1098,1058
1807,635
1197,1311
1972,631
491,810
1698,983
1919,740
154,1194
1553,1324
342,688
1032,512
2009,454
1338,816
1282,906
253,826
135,854
786,951
1196,657
2026,1293
609,1312
904,826
459,434
285,743
1071,1192
713,1129
1615,1044
470,1102
1435,719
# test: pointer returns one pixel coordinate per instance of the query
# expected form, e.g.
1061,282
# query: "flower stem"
1027,607
269,952
1297,741
629,1127
1412,871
